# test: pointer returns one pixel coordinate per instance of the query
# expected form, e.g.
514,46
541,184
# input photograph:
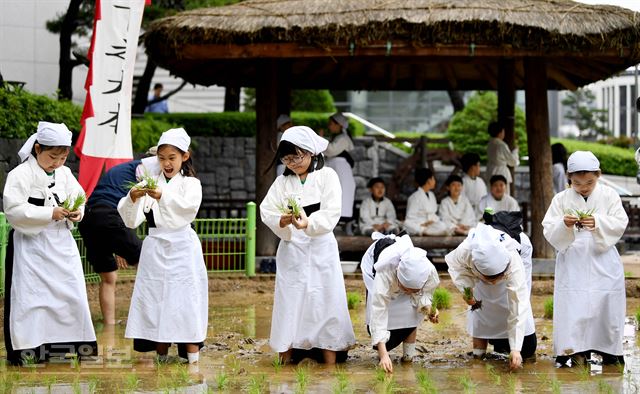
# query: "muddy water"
237,358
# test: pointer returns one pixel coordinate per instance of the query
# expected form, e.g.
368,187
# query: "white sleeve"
458,262
132,213
380,300
339,144
366,222
507,156
554,229
179,206
424,301
445,211
610,225
324,220
519,304
269,212
513,204
73,188
390,211
23,216
468,215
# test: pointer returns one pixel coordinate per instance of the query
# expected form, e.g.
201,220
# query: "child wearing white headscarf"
400,282
491,256
302,207
46,309
584,223
170,296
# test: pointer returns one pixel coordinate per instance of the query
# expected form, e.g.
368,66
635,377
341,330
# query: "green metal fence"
228,245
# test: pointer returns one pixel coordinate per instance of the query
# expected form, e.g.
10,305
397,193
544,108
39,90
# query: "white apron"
589,303
347,182
402,313
48,294
170,297
310,303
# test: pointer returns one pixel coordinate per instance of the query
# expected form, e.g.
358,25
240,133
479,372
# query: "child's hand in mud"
434,316
515,360
385,363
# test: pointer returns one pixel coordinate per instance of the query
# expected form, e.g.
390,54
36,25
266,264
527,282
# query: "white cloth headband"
305,138
48,134
176,137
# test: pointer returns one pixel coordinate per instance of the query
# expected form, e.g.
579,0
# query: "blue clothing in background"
112,185
161,107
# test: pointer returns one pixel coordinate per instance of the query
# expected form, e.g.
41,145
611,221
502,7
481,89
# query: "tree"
590,121
301,100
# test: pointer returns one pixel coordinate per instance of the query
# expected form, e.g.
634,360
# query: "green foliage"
145,132
441,298
353,299
468,128
613,160
637,314
301,100
258,384
426,385
20,112
591,121
548,308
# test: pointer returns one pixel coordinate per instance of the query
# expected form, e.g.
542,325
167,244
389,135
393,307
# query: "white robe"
464,274
48,294
490,321
507,203
500,158
388,307
559,178
458,213
422,207
341,143
170,296
589,303
474,189
374,212
310,302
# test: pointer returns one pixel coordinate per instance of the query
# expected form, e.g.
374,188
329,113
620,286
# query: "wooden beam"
449,76
266,116
561,78
506,107
487,73
539,143
400,48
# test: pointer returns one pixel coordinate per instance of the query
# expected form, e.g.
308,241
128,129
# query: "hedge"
613,160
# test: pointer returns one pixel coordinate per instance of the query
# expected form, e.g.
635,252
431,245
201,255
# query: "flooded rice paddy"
237,357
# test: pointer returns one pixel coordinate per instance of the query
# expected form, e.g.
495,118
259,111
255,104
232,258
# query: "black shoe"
561,361
609,359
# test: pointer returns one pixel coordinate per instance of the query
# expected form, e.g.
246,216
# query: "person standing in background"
154,104
499,156
559,159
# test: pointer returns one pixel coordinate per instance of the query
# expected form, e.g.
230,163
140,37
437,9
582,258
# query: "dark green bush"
301,100
468,128
613,160
146,132
20,112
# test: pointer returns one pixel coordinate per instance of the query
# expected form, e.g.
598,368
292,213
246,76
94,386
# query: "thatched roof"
543,27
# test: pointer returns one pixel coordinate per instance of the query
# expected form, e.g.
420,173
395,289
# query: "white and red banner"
105,139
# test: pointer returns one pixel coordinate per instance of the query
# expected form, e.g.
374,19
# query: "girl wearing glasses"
310,316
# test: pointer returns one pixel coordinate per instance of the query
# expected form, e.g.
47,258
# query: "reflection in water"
238,358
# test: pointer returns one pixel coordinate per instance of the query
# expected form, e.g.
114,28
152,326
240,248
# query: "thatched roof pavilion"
501,45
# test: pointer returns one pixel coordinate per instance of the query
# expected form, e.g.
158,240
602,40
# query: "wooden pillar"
266,134
284,88
506,106
539,143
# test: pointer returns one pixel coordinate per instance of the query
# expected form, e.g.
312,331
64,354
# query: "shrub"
613,160
468,128
20,112
548,308
441,298
301,100
146,132
353,299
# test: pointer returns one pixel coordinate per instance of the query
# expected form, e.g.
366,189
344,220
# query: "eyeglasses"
292,159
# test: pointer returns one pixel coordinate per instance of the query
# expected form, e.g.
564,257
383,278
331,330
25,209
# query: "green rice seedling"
233,364
580,215
29,361
72,203
131,382
426,385
302,380
628,274
93,384
50,381
222,381
637,316
75,361
554,385
257,384
277,363
467,384
146,182
493,374
381,375
604,387
76,387
342,385
583,371
511,381
353,299
182,376
548,308
290,207
441,298
467,295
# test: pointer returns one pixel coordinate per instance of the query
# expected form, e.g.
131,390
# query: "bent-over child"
400,282
170,296
584,223
377,212
302,207
46,311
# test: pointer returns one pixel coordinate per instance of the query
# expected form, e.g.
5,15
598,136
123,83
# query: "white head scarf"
390,256
282,120
305,138
414,268
488,251
340,119
49,134
176,137
582,161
